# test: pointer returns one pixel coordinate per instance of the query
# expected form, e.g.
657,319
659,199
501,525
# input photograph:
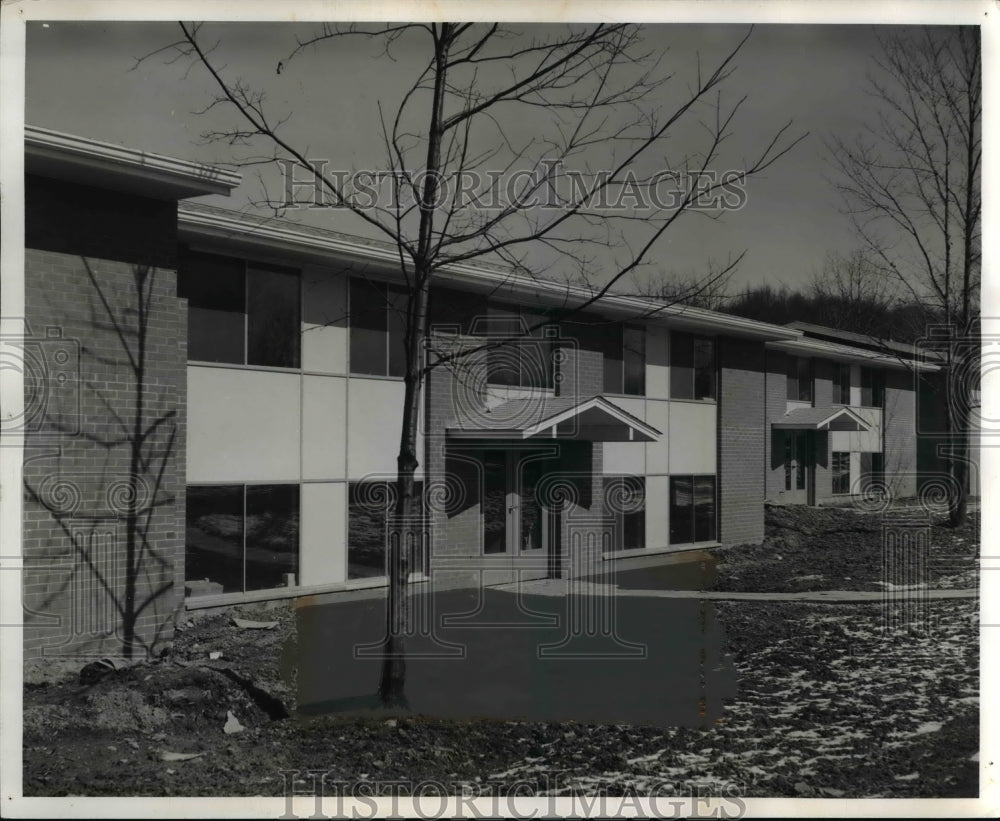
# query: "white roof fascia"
67,156
805,346
283,236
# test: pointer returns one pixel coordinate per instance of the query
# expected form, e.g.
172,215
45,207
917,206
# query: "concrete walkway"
560,587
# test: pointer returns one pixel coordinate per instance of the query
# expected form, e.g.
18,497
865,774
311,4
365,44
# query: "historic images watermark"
545,797
549,185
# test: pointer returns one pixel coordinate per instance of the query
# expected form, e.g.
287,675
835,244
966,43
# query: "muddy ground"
829,705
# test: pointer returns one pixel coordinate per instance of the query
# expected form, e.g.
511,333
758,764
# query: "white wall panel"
692,437
657,363
324,427
374,417
243,425
626,457
324,550
657,511
324,320
658,453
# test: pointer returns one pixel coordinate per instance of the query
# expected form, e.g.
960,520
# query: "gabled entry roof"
534,417
821,419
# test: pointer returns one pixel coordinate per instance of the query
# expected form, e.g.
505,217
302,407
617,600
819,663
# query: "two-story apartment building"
215,412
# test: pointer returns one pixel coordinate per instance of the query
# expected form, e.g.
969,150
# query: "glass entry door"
516,522
799,447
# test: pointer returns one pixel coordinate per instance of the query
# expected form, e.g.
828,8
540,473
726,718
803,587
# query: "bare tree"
709,290
911,183
852,294
585,186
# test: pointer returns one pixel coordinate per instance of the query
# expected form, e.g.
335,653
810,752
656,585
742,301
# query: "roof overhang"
840,419
208,225
103,165
806,346
595,420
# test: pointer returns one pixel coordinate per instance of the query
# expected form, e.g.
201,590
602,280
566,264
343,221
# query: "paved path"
560,587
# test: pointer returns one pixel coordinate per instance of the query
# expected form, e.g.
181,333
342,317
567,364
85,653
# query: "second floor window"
800,387
625,360
692,366
872,388
378,328
841,384
240,312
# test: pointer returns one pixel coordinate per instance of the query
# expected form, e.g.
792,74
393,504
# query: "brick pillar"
104,473
776,393
898,432
741,446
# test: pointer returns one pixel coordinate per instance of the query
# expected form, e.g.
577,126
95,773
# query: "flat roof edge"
53,153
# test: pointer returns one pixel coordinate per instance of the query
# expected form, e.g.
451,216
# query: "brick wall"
742,440
776,400
104,473
899,433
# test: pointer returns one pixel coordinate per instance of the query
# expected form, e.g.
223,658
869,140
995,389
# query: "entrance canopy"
545,417
821,419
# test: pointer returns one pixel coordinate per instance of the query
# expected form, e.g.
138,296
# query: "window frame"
694,526
840,475
624,520
804,374
841,385
247,267
422,562
875,389
679,378
391,343
244,492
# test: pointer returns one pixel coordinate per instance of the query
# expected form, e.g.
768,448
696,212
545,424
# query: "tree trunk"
406,526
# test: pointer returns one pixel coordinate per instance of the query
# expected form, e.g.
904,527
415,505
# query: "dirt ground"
834,549
830,704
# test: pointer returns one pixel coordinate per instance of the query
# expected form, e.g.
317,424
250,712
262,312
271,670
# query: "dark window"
494,501
800,387
369,508
623,348
872,388
692,366
240,314
625,504
841,472
215,290
273,317
634,356
841,384
378,328
242,537
692,509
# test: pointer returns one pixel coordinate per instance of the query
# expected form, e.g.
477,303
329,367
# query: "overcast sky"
80,79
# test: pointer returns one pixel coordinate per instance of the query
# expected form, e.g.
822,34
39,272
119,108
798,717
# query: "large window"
872,388
625,504
800,383
692,366
242,537
841,384
370,506
239,312
692,509
378,328
624,360
841,472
